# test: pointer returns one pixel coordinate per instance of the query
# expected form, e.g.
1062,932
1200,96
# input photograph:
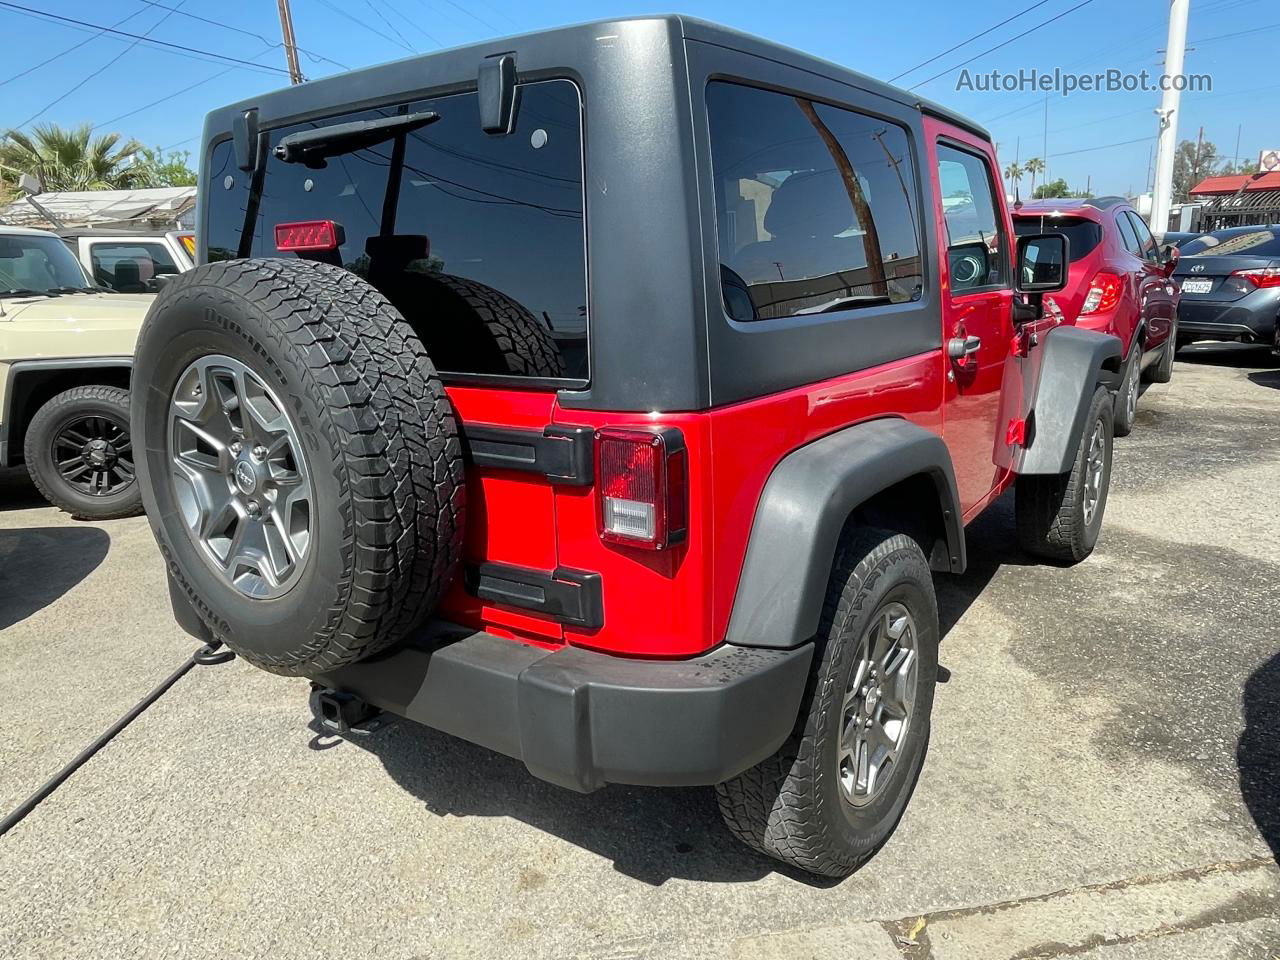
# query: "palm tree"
70,159
1013,174
1033,166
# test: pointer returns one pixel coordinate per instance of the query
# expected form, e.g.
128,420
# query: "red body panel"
1148,296
975,407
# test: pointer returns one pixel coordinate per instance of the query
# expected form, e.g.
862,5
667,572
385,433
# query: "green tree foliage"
155,168
1055,188
70,159
1191,164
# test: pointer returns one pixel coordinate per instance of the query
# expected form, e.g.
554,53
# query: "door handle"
959,348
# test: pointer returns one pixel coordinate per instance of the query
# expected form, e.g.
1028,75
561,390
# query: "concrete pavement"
1104,779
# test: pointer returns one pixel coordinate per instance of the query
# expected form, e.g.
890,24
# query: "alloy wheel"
240,476
877,706
93,455
1095,464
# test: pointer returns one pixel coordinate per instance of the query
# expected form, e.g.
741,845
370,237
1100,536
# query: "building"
163,208
1238,200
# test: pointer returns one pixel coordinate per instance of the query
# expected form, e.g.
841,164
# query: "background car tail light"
1263,278
1104,294
188,241
642,479
309,236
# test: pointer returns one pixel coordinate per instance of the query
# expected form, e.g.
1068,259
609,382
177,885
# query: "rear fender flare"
806,501
1073,362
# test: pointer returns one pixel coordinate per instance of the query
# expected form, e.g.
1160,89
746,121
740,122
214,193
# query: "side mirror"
1043,263
1169,255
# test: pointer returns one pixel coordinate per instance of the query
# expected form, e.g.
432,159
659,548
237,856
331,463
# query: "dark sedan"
1230,282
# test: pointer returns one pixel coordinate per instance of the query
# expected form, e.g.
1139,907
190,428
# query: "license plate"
1197,286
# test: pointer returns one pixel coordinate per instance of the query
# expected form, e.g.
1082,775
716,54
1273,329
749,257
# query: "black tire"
792,806
1124,411
472,328
1162,370
379,436
90,488
1050,510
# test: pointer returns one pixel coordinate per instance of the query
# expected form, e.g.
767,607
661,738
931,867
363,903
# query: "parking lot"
1104,779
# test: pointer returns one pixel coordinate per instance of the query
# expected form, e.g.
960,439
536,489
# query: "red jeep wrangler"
609,397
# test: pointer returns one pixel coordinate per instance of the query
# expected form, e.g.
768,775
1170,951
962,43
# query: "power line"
1045,23
413,23
374,30
404,42
1104,146
94,73
274,44
925,63
71,49
474,16
29,11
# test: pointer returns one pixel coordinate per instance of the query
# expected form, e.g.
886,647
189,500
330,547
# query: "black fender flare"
803,509
1073,362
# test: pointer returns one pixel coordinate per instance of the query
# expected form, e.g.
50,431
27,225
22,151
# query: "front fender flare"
1073,362
802,511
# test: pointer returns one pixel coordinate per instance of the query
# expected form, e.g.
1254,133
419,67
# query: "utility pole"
1195,175
1170,100
1235,161
290,44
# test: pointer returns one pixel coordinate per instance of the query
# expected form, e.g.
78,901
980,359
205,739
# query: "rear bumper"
1218,321
582,719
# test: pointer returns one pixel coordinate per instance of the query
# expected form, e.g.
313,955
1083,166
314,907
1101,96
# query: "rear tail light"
1104,294
309,236
1264,278
642,479
188,241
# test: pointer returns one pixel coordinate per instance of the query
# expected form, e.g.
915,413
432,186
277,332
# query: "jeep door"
977,304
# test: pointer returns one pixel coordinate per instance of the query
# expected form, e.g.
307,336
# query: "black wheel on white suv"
79,452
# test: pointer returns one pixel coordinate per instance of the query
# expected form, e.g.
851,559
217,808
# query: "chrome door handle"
958,348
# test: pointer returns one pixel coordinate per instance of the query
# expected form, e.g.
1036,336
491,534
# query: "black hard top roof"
339,86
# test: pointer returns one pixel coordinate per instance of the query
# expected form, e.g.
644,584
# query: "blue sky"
1235,42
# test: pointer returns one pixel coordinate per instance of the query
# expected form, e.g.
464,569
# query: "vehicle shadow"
650,834
39,564
17,492
1245,356
1258,751
1266,378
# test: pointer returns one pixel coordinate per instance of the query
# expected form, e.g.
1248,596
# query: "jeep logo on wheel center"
246,478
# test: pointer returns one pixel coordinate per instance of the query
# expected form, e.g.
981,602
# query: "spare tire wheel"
301,466
470,327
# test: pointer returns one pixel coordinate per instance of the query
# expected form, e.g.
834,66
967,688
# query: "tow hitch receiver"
343,714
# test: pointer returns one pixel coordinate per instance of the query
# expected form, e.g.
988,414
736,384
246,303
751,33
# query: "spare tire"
469,327
301,466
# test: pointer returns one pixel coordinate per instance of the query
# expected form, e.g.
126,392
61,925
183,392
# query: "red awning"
1217,185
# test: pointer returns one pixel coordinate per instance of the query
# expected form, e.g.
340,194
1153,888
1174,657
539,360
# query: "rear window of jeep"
815,206
502,213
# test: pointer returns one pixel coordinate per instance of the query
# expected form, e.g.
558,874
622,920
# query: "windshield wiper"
77,289
312,147
23,292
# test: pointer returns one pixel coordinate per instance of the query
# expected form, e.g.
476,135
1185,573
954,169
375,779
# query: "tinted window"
1083,236
477,239
1145,240
975,237
130,267
1256,242
815,206
37,263
1127,235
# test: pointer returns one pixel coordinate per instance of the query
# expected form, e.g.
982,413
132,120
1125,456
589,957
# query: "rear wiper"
312,147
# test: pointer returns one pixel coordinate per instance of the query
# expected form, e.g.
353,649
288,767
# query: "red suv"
587,396
1119,284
